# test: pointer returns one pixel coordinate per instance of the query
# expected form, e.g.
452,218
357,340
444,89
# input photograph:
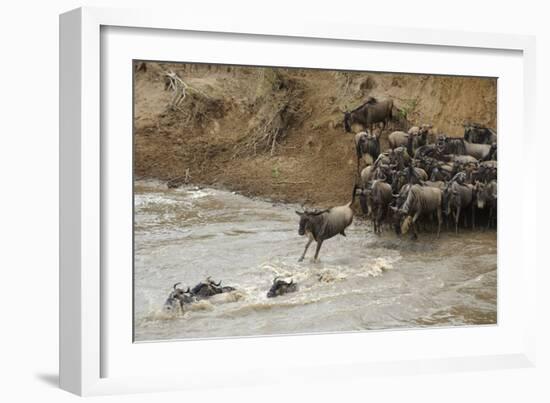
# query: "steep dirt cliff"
278,133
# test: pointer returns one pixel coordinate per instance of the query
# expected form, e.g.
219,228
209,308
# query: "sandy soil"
278,133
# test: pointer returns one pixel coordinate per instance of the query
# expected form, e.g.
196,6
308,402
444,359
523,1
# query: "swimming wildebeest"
325,224
280,287
178,297
421,200
209,288
369,113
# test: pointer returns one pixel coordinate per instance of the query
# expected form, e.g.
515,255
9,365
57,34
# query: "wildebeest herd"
414,184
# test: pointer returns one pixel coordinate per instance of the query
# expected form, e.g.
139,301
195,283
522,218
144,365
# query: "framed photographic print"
329,193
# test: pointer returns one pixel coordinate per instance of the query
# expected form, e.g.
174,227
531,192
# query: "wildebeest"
322,225
415,141
475,133
486,197
398,139
480,151
434,184
428,150
421,200
209,288
415,138
460,146
369,113
458,197
178,297
400,158
411,175
367,147
486,172
280,287
378,197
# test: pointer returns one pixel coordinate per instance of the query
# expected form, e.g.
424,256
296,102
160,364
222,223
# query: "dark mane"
360,106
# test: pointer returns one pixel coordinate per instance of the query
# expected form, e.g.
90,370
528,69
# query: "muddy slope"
278,133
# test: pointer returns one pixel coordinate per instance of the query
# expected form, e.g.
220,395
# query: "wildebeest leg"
415,232
316,258
439,218
473,217
379,219
457,217
305,250
490,218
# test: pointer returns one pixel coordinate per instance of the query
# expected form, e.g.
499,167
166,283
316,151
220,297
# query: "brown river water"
363,281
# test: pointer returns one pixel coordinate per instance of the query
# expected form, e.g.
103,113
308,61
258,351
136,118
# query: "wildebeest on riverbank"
369,113
433,169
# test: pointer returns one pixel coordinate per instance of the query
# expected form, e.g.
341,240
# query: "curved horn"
188,291
175,285
276,278
291,282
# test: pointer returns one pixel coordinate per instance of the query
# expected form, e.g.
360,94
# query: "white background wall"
29,209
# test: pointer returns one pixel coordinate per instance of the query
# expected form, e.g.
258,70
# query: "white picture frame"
88,322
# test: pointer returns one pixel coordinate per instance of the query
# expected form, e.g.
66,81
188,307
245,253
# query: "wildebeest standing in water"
459,197
325,224
369,113
421,200
280,287
486,197
378,196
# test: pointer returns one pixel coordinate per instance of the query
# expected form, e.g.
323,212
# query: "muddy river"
362,282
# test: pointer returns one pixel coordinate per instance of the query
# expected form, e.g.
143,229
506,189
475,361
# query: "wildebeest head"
436,175
484,193
280,287
306,218
178,297
347,121
476,133
398,215
481,195
212,283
